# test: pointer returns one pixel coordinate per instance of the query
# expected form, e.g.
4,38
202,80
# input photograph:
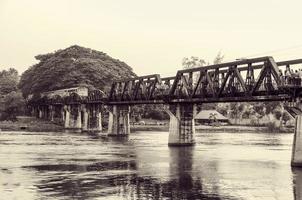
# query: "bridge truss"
257,79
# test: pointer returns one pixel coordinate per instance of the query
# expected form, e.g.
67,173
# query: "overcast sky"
151,36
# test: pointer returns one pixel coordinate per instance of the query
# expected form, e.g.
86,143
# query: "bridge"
248,80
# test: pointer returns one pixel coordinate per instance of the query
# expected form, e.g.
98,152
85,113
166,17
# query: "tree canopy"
8,81
73,66
11,100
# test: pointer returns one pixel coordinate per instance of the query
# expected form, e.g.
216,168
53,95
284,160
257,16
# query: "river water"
142,166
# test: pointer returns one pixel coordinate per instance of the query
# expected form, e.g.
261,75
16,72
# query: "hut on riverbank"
210,116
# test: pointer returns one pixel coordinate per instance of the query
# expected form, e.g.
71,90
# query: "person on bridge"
300,75
296,78
287,75
282,78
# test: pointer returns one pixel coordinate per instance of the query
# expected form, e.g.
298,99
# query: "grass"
34,125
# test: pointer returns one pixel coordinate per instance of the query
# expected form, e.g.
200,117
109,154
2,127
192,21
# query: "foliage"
193,62
256,112
8,81
73,66
285,117
272,127
156,112
13,105
219,58
12,102
223,108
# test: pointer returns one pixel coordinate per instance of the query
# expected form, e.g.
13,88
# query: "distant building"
81,91
210,116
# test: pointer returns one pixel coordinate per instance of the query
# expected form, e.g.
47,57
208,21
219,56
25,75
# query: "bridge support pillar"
93,118
51,113
119,120
73,119
297,144
67,116
40,112
62,119
182,125
85,119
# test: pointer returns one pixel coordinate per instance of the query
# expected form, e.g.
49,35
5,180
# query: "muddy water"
142,166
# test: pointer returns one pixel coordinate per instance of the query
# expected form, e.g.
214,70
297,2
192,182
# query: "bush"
14,105
272,127
156,114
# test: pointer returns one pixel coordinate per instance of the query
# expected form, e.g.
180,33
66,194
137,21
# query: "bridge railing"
139,88
248,78
227,79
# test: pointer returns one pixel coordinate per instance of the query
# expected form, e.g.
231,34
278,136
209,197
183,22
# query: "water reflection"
81,181
119,178
142,166
182,184
297,182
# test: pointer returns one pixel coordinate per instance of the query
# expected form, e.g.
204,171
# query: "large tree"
8,81
13,105
11,100
73,66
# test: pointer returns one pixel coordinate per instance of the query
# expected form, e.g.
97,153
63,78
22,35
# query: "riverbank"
38,125
224,128
30,124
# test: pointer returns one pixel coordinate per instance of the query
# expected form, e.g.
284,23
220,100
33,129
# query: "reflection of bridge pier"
297,183
181,162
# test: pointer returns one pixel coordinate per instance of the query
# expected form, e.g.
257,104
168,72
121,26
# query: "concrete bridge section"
248,80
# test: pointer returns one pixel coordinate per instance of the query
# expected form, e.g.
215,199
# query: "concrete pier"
119,120
85,119
297,144
94,118
73,121
40,113
51,113
182,125
67,116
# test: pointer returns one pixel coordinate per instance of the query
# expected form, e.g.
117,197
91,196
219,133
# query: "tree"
218,59
13,105
285,117
236,111
192,62
195,61
8,81
73,66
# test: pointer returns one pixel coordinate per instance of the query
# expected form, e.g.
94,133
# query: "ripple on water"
142,166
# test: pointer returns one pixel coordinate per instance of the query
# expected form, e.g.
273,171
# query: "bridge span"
248,80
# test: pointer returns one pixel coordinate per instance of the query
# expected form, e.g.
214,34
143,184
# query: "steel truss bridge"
248,80
256,79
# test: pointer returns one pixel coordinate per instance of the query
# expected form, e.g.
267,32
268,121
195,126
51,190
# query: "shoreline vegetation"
38,125
96,70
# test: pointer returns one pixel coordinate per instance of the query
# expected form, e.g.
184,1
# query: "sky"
151,36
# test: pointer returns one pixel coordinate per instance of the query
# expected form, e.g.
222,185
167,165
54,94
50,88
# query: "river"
142,166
